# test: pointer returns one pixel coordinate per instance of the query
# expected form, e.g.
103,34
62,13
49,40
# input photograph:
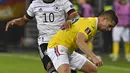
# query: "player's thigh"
126,35
116,33
77,61
59,57
80,62
44,57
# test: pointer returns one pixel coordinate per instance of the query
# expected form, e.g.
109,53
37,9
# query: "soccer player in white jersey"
50,17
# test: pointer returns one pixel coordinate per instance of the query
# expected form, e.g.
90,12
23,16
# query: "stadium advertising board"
12,9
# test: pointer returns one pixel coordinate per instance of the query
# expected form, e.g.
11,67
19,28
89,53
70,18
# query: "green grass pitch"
30,63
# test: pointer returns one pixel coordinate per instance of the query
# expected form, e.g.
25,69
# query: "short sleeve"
86,31
30,11
67,6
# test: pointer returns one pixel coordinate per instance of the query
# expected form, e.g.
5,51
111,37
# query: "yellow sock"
116,48
126,48
129,48
90,45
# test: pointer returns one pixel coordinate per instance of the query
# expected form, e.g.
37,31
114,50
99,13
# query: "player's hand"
14,22
97,61
66,25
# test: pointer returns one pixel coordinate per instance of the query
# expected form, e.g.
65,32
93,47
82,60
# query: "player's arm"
81,41
19,21
71,14
23,20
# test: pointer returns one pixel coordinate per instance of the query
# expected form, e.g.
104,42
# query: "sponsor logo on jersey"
87,30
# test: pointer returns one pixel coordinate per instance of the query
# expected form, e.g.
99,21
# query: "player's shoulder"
93,22
35,3
62,2
90,22
89,19
92,19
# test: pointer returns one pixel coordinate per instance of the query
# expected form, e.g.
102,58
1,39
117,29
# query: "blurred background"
19,48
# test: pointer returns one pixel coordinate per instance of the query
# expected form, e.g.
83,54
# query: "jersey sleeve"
88,31
67,6
85,30
88,27
30,11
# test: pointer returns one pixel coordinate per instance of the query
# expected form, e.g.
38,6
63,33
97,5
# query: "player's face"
107,24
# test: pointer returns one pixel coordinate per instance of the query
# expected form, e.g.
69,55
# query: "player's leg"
64,68
60,58
89,67
127,51
116,34
126,37
45,59
80,62
47,63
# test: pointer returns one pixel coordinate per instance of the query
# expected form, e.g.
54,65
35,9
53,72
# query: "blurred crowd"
110,42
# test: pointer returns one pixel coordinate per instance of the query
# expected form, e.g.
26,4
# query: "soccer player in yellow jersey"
61,47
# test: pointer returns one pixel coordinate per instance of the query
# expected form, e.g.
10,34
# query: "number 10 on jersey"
48,17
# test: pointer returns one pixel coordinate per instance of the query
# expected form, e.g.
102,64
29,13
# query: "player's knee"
49,65
93,70
46,62
64,69
50,68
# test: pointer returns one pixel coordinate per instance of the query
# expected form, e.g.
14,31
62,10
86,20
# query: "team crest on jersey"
56,7
87,30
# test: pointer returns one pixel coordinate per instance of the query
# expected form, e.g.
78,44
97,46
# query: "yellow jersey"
67,38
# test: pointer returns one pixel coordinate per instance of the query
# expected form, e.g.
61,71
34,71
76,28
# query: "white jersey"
49,17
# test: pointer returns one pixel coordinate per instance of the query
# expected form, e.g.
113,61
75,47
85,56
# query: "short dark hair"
112,14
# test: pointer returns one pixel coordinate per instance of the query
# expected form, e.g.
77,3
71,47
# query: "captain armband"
75,20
